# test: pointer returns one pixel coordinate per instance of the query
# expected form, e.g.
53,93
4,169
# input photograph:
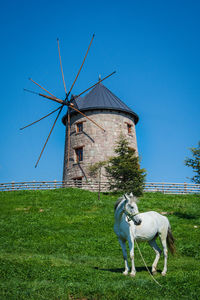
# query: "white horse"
131,225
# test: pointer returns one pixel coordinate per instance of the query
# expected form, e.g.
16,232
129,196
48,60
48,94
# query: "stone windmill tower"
88,143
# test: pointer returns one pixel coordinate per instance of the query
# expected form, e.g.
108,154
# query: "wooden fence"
172,188
167,188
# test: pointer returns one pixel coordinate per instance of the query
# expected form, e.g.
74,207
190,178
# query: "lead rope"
146,264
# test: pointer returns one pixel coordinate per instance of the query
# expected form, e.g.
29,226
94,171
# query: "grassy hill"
60,244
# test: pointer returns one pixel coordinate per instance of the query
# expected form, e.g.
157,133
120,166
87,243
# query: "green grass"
60,244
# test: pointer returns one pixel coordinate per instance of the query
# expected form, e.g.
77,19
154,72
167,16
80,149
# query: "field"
60,244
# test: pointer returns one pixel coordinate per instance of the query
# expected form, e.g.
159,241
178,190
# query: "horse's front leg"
123,246
131,248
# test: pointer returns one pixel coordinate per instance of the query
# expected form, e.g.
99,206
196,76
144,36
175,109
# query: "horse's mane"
133,198
118,202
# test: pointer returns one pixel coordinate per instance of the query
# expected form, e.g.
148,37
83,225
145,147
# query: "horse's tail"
170,241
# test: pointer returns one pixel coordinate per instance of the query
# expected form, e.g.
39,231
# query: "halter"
130,216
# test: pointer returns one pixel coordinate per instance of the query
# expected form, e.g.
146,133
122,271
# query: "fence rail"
163,187
172,188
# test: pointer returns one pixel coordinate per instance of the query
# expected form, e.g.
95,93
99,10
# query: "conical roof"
101,97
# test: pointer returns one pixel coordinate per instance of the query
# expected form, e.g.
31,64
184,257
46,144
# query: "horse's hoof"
163,273
132,274
154,272
125,273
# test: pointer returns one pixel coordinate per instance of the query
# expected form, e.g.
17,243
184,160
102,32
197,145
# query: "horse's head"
131,209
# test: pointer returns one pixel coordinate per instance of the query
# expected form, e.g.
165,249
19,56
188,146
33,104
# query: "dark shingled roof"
101,97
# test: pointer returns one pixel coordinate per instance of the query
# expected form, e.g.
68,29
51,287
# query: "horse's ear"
134,198
126,197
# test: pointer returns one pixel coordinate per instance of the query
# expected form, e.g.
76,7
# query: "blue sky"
154,47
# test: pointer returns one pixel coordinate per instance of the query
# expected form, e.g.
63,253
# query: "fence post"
55,184
13,185
185,188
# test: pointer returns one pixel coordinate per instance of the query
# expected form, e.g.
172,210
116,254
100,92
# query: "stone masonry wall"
97,144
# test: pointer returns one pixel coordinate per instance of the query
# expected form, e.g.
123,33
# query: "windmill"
66,102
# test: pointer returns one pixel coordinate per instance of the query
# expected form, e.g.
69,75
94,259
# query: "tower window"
129,128
79,127
79,154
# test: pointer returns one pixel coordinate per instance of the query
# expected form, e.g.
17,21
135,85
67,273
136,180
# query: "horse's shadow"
185,216
121,270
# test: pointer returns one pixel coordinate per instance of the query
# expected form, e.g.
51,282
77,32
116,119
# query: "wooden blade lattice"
94,85
40,118
64,102
41,87
82,64
63,78
48,136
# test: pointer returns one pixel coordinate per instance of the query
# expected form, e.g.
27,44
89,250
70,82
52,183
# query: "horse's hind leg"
123,245
155,247
163,240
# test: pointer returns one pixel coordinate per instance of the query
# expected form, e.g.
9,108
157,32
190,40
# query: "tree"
194,162
96,171
123,170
